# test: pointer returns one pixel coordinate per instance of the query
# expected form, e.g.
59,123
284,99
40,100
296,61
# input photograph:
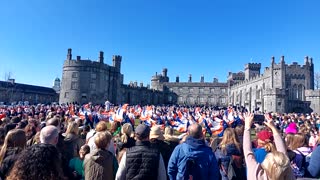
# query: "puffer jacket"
100,165
194,153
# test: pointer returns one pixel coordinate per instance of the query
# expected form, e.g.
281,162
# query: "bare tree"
317,80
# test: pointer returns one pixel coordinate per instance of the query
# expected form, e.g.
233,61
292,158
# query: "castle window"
74,85
191,90
212,90
74,75
201,90
170,98
93,76
181,90
223,100
107,77
223,90
66,94
92,86
202,100
180,99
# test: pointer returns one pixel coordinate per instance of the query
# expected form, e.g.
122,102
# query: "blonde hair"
102,139
229,137
277,166
299,140
168,131
73,128
126,132
14,138
101,126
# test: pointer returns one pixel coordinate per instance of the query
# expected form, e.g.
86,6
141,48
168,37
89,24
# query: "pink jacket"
254,169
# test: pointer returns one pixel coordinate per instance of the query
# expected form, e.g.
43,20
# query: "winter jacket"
8,161
164,149
100,165
130,143
72,145
314,165
193,158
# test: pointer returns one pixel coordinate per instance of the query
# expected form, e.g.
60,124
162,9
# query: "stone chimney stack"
190,78
78,58
202,79
101,58
177,79
69,55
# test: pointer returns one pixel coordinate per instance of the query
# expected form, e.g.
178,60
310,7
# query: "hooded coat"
72,144
100,165
193,158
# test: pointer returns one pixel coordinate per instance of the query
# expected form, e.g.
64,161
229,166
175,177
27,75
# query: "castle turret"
282,60
101,58
252,70
116,60
164,72
272,61
69,55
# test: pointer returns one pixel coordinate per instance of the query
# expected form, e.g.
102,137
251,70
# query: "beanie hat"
265,135
292,128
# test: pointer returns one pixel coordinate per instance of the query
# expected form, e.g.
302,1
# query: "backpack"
192,167
299,164
225,164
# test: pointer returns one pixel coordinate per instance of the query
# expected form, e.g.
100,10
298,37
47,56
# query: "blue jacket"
314,165
204,166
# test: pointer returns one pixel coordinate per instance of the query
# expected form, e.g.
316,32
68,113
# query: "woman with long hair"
14,143
72,141
276,165
229,155
40,161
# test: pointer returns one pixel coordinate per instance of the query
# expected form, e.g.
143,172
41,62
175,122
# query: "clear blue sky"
205,37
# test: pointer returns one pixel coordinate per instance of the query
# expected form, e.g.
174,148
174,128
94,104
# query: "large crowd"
93,142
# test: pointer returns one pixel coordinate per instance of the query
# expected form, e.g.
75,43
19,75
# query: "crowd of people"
71,141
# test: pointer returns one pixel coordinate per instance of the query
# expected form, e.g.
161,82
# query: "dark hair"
40,161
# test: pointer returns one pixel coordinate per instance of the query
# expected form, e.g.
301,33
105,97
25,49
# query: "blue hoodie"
314,165
205,165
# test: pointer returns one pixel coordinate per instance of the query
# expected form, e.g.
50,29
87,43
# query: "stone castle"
281,87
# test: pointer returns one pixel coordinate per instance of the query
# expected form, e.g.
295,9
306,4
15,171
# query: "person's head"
195,131
54,122
292,128
103,139
289,139
299,140
156,134
239,130
15,138
49,135
229,137
73,128
101,126
126,132
40,161
277,166
142,132
265,139
30,131
84,150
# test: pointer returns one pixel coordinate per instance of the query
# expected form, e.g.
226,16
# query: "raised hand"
248,119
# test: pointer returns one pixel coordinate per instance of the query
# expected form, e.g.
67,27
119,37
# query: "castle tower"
202,79
116,59
177,79
252,70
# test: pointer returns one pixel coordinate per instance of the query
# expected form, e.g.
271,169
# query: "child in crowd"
76,164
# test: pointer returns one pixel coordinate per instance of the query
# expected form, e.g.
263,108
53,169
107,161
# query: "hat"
292,128
265,135
142,131
156,133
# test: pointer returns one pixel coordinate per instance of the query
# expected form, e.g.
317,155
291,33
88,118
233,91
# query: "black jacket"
8,161
142,161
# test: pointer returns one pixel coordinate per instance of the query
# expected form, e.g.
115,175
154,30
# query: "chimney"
141,84
78,58
215,80
202,79
177,79
12,81
190,78
101,58
282,59
135,84
69,55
